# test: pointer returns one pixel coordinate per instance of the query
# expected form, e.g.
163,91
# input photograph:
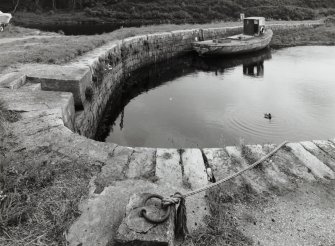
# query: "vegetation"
172,11
39,191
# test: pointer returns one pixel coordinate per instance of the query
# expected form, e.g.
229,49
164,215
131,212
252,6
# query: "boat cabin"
254,26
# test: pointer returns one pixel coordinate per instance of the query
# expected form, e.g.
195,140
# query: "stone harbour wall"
113,63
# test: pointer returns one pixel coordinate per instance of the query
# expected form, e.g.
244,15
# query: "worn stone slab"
101,214
319,153
194,168
26,101
135,230
168,167
318,168
142,163
289,164
251,177
114,169
327,146
195,177
12,80
269,169
72,79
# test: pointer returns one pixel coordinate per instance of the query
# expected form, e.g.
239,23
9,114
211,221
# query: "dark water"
195,102
84,29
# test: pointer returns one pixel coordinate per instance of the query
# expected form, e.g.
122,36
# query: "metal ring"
143,211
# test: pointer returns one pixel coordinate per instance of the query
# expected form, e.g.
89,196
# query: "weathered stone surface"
102,213
168,168
289,164
326,146
195,177
319,153
13,80
318,169
269,169
194,168
114,169
251,177
142,163
62,78
135,230
26,101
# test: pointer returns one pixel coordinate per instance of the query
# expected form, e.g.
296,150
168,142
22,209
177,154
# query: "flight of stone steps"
166,171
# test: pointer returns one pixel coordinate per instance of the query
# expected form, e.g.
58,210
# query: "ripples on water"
197,102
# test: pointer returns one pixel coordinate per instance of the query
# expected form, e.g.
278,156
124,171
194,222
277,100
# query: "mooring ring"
143,211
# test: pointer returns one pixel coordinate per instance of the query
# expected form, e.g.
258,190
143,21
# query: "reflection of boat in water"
254,70
254,38
219,64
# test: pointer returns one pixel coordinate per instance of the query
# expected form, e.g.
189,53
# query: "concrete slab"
319,153
142,163
318,168
72,79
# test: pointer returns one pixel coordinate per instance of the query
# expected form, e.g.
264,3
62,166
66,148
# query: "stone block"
72,79
27,101
137,231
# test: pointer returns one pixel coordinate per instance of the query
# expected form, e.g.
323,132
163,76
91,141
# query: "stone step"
222,167
318,168
12,80
31,87
142,163
269,169
326,146
168,168
289,164
319,153
251,178
72,79
195,177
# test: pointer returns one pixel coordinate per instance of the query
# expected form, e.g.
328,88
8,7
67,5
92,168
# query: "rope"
174,199
178,199
191,193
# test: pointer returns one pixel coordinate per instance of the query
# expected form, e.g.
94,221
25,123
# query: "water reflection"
160,74
254,70
195,102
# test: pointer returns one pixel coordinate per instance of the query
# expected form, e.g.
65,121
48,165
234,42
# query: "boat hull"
230,47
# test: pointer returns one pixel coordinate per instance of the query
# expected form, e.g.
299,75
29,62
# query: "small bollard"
136,230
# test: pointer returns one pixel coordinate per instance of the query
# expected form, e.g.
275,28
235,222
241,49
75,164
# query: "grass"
62,49
39,191
323,35
221,226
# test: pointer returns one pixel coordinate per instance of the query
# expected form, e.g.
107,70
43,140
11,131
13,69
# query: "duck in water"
268,116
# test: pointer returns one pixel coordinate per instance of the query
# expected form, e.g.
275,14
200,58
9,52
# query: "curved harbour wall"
113,63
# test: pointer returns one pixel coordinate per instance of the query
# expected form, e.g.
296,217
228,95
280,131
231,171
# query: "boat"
255,37
4,20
